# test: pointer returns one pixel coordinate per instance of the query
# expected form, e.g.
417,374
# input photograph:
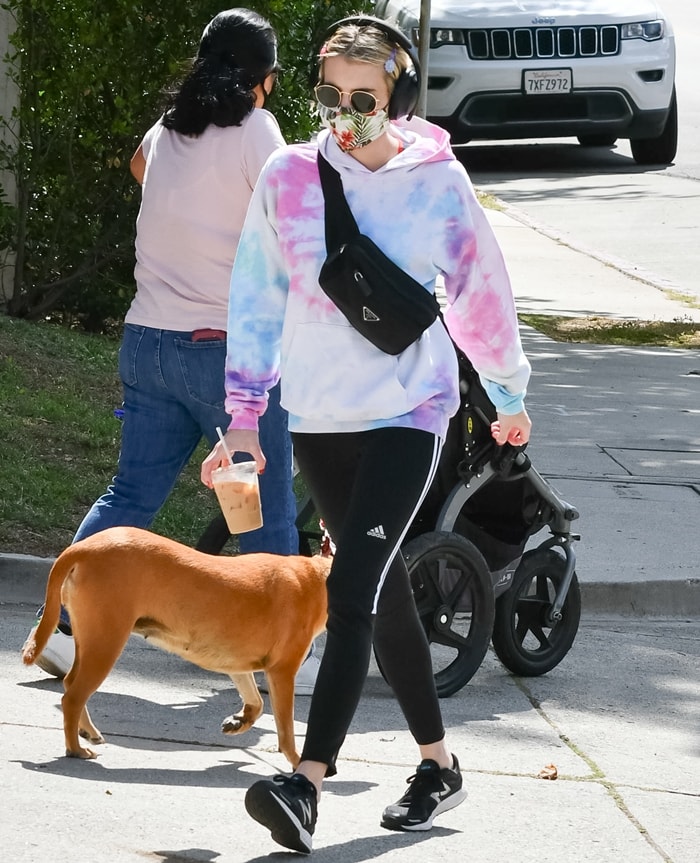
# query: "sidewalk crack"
598,775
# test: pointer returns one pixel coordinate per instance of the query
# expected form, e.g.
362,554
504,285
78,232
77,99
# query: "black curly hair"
237,51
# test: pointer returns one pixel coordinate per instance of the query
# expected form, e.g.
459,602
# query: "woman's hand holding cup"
235,440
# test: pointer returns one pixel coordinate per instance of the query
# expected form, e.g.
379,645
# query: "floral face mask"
351,129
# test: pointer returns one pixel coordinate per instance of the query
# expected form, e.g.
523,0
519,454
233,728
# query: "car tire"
661,150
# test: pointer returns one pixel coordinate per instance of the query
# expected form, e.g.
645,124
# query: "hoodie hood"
423,142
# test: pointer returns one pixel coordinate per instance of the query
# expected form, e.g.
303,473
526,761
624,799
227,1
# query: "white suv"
594,69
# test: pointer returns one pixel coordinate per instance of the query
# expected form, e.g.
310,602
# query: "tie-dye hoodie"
421,210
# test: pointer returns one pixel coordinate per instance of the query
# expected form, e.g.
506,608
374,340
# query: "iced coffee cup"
237,489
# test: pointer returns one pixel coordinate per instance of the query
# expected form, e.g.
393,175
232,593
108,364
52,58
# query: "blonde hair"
367,44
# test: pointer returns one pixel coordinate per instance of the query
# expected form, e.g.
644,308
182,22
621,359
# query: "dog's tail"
36,642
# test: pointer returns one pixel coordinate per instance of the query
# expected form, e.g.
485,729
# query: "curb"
23,580
671,598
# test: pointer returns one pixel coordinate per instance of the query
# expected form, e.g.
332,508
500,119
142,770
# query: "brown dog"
235,615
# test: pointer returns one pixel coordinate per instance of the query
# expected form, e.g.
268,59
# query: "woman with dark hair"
197,165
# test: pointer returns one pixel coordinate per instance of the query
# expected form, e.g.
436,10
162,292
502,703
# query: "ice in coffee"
237,490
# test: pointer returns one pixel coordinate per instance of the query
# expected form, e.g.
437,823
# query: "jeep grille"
542,43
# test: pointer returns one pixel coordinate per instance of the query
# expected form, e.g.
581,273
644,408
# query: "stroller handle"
506,457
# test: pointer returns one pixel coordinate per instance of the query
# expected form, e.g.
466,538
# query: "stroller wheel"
524,639
454,595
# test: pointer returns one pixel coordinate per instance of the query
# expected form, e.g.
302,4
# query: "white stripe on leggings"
437,448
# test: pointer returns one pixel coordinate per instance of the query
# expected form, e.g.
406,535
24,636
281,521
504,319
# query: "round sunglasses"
331,97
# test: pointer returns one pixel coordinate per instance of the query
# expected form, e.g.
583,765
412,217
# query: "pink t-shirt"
194,200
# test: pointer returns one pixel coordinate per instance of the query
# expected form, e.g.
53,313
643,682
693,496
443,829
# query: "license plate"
538,82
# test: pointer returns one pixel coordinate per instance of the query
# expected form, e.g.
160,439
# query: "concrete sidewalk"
616,430
554,274
618,718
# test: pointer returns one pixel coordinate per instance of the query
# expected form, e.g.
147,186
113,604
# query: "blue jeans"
174,395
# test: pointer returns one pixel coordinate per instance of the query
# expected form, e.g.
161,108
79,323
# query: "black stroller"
473,580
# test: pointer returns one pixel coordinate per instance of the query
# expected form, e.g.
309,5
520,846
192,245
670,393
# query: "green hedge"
90,77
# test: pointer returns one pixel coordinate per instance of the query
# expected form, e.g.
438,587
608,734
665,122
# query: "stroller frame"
563,514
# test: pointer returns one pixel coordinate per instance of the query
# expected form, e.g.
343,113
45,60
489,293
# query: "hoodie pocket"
331,373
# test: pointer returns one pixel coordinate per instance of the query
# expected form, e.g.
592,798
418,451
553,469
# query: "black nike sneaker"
286,805
431,791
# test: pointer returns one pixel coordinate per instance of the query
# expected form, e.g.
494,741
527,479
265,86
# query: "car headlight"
647,30
445,36
441,36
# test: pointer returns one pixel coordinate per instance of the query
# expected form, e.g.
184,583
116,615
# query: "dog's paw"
81,752
235,724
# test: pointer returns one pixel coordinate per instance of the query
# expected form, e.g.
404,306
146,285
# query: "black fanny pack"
379,299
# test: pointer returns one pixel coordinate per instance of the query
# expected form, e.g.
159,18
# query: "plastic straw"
223,444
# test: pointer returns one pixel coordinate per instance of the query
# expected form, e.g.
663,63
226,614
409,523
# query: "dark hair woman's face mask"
268,87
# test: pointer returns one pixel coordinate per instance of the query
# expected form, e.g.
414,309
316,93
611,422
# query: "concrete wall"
8,101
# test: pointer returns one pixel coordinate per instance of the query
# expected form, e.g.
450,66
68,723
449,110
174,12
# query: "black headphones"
407,86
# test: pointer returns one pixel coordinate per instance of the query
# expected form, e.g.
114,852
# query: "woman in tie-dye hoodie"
367,427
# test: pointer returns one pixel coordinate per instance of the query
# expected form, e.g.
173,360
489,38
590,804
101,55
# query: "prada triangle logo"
369,315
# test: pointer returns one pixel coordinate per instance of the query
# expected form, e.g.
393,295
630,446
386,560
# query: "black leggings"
367,487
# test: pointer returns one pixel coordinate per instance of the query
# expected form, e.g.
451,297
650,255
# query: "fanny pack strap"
340,223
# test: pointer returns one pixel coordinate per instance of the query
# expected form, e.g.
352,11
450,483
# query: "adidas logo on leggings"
377,532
